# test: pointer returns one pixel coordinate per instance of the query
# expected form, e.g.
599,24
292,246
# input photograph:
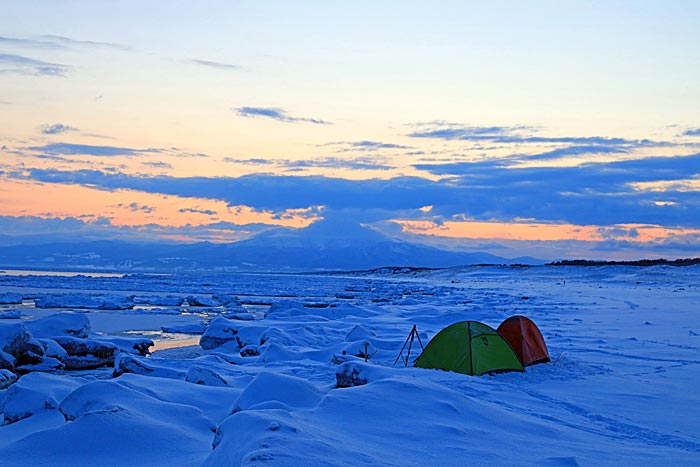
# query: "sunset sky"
544,128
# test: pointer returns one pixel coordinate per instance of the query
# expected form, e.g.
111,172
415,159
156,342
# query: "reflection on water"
171,340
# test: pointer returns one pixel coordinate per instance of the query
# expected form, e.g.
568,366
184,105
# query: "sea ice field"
185,370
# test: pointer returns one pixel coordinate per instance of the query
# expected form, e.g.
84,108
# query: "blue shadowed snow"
261,389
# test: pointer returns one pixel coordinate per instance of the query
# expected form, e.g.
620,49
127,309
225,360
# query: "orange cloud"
541,232
134,208
684,186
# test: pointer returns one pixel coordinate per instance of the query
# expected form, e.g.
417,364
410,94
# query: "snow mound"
359,332
36,392
287,391
116,438
101,396
214,401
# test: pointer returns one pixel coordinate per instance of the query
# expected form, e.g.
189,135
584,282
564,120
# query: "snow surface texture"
297,370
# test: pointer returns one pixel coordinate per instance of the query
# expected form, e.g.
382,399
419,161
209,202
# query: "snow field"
620,390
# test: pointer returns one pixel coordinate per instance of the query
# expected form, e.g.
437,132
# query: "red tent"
525,338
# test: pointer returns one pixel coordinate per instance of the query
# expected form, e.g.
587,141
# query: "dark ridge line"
639,262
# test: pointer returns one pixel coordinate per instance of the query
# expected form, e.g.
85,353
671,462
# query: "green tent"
469,347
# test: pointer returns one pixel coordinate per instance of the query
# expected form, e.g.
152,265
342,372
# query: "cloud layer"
597,193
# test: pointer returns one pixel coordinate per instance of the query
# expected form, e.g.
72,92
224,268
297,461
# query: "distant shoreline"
102,272
639,262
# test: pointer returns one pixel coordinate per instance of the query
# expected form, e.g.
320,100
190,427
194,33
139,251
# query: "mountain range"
319,247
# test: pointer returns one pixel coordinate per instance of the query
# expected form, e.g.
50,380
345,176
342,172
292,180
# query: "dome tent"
526,339
471,348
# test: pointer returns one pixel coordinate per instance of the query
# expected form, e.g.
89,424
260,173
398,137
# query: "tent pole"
408,355
418,336
404,346
557,359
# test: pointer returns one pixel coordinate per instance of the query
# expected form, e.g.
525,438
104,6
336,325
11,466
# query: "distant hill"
319,247
640,262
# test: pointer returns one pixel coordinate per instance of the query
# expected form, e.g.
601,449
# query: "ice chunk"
7,378
53,349
200,300
11,314
245,316
10,299
198,328
222,330
137,345
354,373
47,364
127,363
85,354
89,301
60,324
13,338
158,300
200,375
229,301
7,361
285,306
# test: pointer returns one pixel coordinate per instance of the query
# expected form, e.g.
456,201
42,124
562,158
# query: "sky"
544,128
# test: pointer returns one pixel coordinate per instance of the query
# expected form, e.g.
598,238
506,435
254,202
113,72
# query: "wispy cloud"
339,163
253,161
346,146
207,212
514,134
276,114
692,132
356,163
576,151
136,207
68,149
49,41
19,64
70,42
213,64
33,43
158,164
376,145
56,128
